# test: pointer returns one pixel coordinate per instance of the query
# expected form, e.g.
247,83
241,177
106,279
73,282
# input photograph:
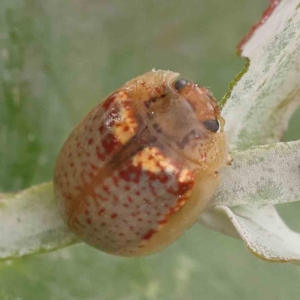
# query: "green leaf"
31,223
262,102
257,112
264,233
261,175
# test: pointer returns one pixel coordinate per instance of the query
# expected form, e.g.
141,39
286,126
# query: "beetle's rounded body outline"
141,167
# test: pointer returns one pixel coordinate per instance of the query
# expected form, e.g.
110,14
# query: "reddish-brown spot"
78,188
107,103
89,221
157,90
106,188
149,234
101,211
95,168
114,215
126,128
90,141
164,221
109,143
101,129
147,201
99,154
115,181
131,174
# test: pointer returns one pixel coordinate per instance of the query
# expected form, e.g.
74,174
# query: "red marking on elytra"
114,215
101,129
161,222
161,176
126,128
115,181
90,141
157,90
109,143
106,188
95,168
100,155
153,190
108,102
67,196
131,173
101,211
149,234
77,188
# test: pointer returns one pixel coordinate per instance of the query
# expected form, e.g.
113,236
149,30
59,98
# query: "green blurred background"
59,58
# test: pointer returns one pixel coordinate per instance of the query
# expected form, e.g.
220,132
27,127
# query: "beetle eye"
212,125
179,84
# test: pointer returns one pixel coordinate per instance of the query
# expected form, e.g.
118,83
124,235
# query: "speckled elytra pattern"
117,182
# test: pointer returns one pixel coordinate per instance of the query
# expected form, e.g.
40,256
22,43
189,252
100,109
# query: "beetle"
142,166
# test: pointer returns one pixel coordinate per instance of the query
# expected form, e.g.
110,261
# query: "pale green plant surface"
264,100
